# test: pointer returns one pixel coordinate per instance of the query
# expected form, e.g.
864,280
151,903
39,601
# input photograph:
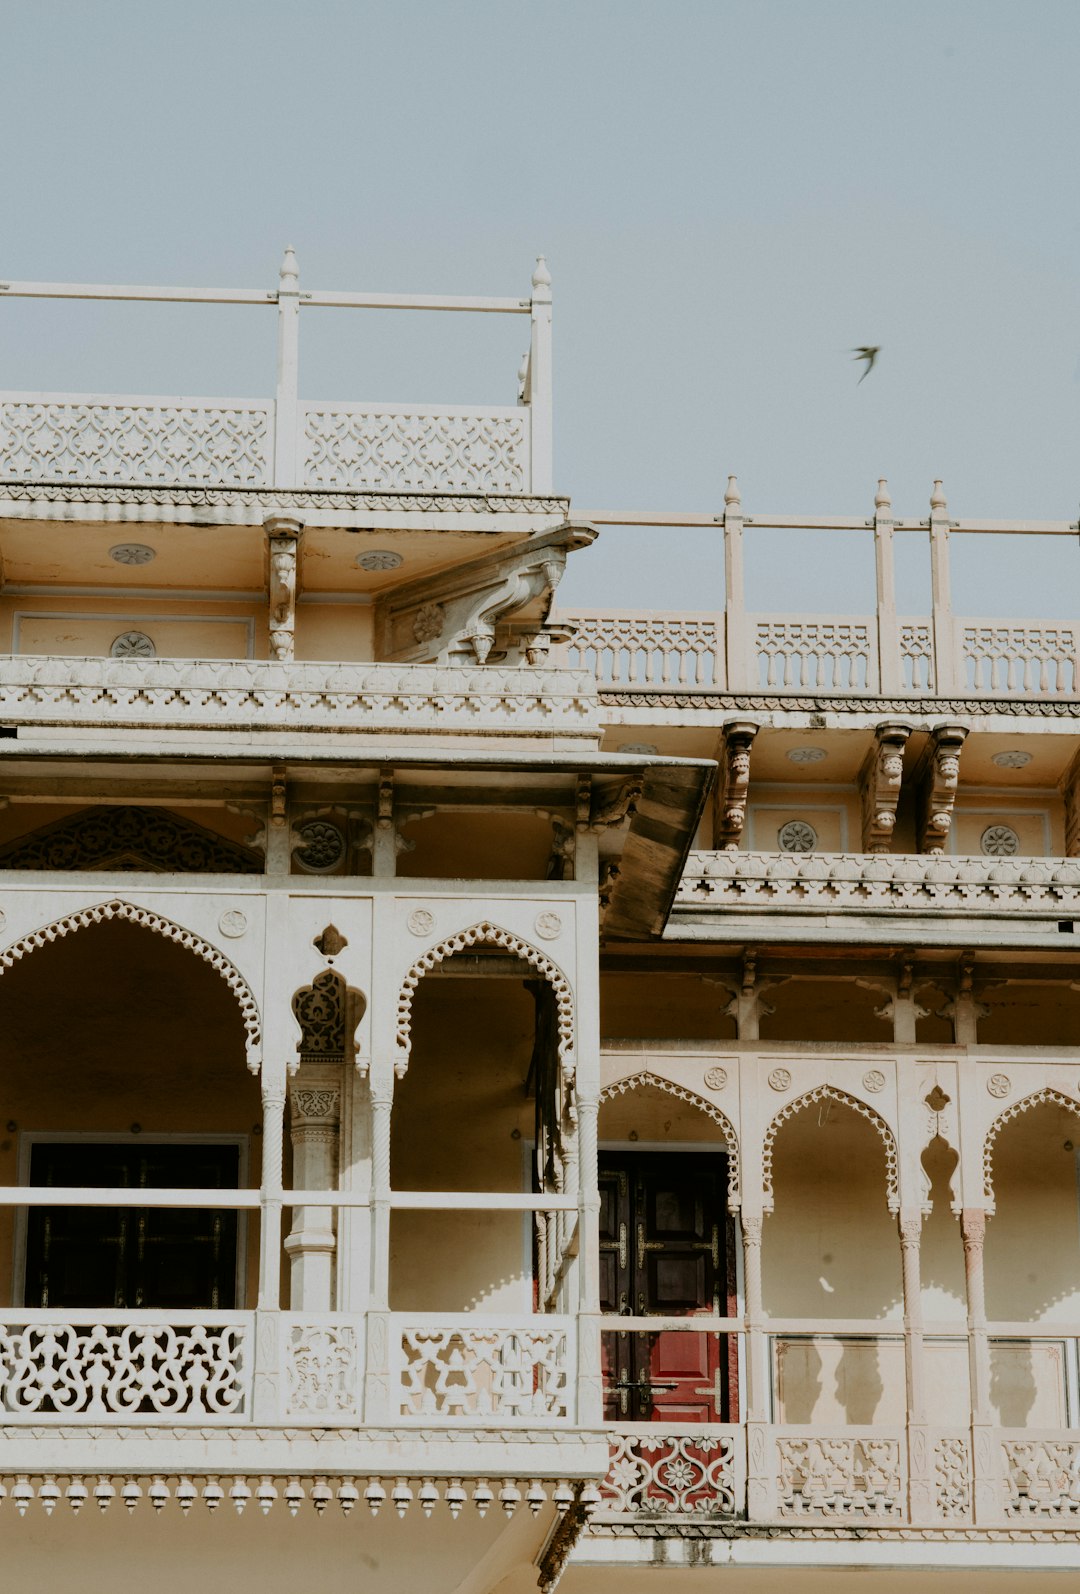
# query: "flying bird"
869,354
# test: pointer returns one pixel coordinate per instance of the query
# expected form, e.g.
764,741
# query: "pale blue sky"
730,196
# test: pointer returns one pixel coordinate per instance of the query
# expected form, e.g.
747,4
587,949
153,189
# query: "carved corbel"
880,782
941,778
520,588
964,1009
283,533
563,849
748,1005
607,813
729,815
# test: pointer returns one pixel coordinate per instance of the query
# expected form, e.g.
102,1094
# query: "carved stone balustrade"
257,695
1036,894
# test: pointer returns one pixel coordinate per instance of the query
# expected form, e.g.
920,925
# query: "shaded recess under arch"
831,1093
1038,1098
102,912
649,1081
487,934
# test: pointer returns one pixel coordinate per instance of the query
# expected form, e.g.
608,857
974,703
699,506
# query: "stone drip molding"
263,1492
857,881
647,1080
117,909
919,709
265,694
260,501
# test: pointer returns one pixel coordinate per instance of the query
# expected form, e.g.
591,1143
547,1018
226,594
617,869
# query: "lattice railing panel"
414,448
1013,657
633,649
836,655
468,1373
1042,1479
137,440
323,1371
672,1475
840,1477
131,1370
916,655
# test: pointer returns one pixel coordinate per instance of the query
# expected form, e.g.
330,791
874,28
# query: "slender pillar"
590,1391
760,1468
316,1131
540,384
273,1130
288,363
920,1486
382,1097
945,672
889,662
983,1449
741,667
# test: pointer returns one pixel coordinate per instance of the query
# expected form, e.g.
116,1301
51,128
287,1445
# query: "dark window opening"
156,1258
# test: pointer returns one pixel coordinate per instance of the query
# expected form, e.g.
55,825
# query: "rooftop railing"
287,442
884,653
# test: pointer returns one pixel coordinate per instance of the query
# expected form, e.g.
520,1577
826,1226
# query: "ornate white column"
983,1449
920,1488
316,1130
266,1401
378,1401
590,1394
760,1471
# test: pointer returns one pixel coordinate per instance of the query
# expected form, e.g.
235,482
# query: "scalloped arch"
1037,1098
681,1093
101,912
831,1093
487,934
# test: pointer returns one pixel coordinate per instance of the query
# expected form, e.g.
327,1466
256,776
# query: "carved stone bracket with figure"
493,608
283,534
939,783
880,782
729,817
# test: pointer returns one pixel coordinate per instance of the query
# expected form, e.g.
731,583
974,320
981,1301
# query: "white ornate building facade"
495,1095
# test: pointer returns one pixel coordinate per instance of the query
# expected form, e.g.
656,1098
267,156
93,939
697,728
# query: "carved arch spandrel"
1037,1098
327,1014
647,1080
487,934
831,1093
102,912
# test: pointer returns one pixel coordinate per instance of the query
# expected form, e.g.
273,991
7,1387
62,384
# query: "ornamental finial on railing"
937,499
289,275
882,501
732,497
541,277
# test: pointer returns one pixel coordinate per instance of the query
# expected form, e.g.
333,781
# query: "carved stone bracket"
940,780
733,754
283,537
606,812
880,782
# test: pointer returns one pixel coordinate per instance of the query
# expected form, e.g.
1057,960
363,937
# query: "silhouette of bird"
869,353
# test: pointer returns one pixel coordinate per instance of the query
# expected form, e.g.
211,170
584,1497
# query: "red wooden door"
664,1253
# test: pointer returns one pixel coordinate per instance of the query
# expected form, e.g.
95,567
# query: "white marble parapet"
264,695
875,882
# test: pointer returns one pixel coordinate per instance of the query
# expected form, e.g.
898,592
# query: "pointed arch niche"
1032,1251
483,1104
120,1029
830,1251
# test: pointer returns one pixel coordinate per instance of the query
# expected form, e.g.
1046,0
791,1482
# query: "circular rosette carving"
322,846
780,1079
421,921
548,926
797,836
716,1078
873,1081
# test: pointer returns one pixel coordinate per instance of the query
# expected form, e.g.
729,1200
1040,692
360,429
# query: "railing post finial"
937,498
289,275
732,497
882,501
541,278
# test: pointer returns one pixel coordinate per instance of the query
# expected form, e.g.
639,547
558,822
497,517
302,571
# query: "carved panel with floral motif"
151,839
